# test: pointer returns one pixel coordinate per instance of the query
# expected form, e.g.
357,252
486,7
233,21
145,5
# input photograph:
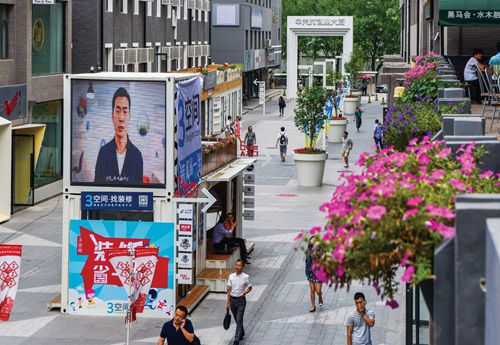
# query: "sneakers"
346,166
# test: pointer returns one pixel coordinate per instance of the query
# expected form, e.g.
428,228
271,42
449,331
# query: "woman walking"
358,114
281,105
315,284
237,127
250,141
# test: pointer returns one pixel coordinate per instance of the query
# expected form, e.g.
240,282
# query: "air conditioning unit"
191,4
191,51
142,55
175,52
204,50
151,54
176,3
120,57
131,55
208,50
198,50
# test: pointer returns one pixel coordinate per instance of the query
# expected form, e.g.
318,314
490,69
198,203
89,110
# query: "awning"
231,170
469,12
35,129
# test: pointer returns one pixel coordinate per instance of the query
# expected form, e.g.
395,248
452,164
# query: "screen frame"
236,15
120,185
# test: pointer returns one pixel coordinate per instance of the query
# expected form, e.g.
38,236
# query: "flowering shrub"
309,150
414,120
393,214
218,145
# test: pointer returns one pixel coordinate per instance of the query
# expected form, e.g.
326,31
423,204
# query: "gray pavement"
277,309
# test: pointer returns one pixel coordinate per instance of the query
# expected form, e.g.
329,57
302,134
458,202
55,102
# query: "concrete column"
291,64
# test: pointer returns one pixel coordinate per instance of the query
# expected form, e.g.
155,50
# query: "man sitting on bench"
223,236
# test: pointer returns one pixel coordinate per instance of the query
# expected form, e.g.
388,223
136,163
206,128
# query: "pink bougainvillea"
394,213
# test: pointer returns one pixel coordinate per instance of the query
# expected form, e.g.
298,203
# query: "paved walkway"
277,310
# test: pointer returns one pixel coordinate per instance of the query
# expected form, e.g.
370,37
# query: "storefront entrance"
23,156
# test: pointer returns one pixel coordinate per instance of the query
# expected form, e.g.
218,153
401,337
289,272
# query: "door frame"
32,170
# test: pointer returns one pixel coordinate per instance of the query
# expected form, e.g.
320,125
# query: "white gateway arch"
314,26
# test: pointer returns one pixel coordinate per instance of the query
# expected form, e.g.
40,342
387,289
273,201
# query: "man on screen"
119,161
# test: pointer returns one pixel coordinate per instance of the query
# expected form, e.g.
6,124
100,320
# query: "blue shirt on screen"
175,336
106,167
219,233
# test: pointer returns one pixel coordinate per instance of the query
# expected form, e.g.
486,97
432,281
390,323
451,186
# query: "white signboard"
185,227
185,211
248,214
43,2
249,190
184,260
249,178
249,203
185,244
185,276
262,93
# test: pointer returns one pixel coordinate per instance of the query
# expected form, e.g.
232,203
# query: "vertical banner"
188,105
10,267
94,285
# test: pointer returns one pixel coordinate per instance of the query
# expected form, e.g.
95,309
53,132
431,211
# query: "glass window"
47,39
49,165
4,31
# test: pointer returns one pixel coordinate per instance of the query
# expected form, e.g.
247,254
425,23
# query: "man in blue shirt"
177,331
223,235
119,161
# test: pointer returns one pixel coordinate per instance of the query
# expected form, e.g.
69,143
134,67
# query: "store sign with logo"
469,13
13,102
185,276
43,2
117,201
320,22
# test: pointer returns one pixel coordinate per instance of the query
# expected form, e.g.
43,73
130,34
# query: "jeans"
238,309
475,90
378,143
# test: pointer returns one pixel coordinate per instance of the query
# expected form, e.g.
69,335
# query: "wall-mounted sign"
185,227
249,215
185,244
249,203
249,190
13,102
43,2
210,80
117,201
185,276
185,211
184,260
249,178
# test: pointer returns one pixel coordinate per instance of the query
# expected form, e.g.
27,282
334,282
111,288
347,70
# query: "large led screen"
118,133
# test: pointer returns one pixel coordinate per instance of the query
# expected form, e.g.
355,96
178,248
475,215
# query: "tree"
309,114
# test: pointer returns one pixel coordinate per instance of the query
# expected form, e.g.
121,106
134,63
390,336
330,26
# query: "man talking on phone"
359,322
177,331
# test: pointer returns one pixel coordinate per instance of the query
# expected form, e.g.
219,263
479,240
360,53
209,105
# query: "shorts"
345,153
282,148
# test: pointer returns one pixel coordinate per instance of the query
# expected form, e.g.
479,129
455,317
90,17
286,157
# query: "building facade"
140,36
35,52
248,32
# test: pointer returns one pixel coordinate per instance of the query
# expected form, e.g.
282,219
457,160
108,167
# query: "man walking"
346,149
282,140
359,322
179,330
238,286
377,135
281,105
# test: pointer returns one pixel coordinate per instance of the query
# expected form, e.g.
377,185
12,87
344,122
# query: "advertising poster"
118,133
188,104
94,286
10,271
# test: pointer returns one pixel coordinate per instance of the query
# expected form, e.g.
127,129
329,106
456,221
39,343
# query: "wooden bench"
194,297
216,278
55,303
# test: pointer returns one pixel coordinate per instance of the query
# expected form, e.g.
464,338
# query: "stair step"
194,297
55,303
216,278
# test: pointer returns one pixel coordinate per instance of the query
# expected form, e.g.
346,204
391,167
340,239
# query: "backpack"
283,139
378,131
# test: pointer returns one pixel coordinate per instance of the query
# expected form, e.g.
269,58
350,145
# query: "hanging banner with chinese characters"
469,13
95,288
135,272
188,106
10,267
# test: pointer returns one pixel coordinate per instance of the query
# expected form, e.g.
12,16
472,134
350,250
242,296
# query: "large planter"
357,93
310,168
337,129
350,105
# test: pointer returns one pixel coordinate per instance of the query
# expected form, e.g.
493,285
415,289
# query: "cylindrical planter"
337,129
310,168
350,105
357,93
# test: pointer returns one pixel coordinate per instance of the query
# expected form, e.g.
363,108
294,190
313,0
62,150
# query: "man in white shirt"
238,286
282,140
229,127
470,74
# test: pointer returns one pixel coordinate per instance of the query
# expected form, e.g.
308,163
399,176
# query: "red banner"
10,267
98,269
137,281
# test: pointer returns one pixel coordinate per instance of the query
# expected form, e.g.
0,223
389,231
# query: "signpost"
262,94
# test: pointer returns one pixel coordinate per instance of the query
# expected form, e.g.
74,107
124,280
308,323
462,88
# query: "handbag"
227,320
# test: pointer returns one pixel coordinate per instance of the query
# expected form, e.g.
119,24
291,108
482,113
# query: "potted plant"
338,125
353,67
309,119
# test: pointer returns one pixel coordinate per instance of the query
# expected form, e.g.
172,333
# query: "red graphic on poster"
98,269
10,266
10,106
136,273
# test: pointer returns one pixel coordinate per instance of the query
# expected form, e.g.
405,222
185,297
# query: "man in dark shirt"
119,161
177,331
